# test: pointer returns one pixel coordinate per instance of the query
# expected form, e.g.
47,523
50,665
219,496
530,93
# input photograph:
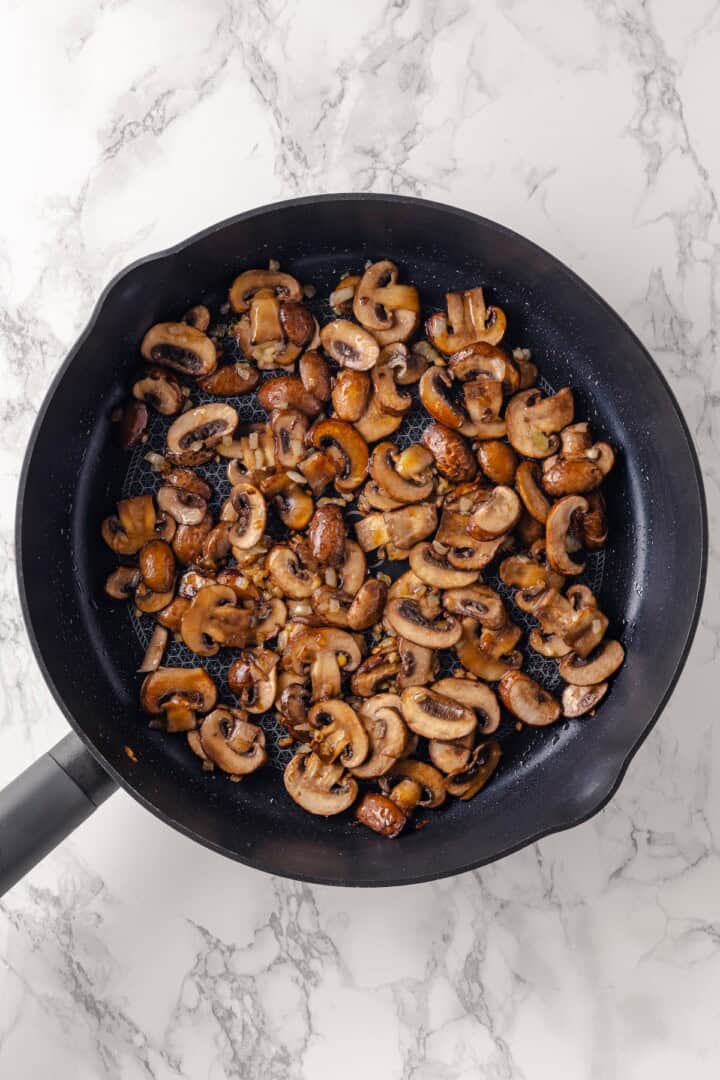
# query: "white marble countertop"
589,126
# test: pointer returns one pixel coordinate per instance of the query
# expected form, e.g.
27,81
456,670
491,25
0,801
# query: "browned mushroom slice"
593,524
433,569
292,702
428,779
387,464
388,814
171,616
533,421
121,582
322,650
580,700
149,601
157,566
436,387
476,696
247,284
529,572
418,664
373,497
551,645
318,786
404,326
191,438
288,573
527,700
181,347
189,539
341,298
344,445
495,512
367,606
498,461
406,618
288,392
581,466
197,316
489,654
267,621
339,734
177,695
187,480
213,619
297,322
351,571
467,781
378,297
375,424
232,743
349,345
289,428
293,504
558,527
245,509
468,319
452,454
231,380
155,650
461,549
319,469
481,360
350,394
382,718
595,668
133,526
130,423
526,482
253,679
185,507
378,670
314,373
419,358
483,401
449,756
528,530
327,535
387,395
478,602
401,528
161,390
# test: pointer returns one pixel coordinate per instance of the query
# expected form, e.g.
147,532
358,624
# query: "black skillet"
650,583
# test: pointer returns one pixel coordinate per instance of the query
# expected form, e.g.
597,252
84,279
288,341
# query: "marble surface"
588,125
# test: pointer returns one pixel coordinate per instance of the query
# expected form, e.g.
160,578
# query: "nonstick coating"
653,574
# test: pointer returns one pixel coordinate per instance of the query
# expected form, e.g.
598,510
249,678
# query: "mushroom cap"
349,345
157,565
288,392
435,395
481,359
367,606
232,743
247,284
188,540
436,716
595,668
452,454
557,527
580,700
527,700
468,780
191,437
320,787
476,696
451,756
187,480
292,503
314,373
381,716
350,394
327,535
231,380
379,813
191,687
407,619
180,346
433,569
497,460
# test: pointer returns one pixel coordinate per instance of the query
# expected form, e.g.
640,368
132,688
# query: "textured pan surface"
653,571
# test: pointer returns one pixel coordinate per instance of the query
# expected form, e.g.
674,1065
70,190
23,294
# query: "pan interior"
648,581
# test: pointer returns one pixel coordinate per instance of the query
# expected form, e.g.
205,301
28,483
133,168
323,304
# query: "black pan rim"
622,762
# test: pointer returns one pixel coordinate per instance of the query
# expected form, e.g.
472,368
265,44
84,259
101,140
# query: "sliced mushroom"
484,361
157,566
292,503
292,703
192,436
121,582
367,606
327,535
478,602
214,619
463,551
352,569
288,392
402,528
498,461
297,322
130,424
593,524
436,396
231,380
495,512
188,541
267,621
533,421
322,649
526,482
340,736
319,469
265,334
433,569
314,374
253,679
528,530
527,700
476,696
375,424
288,572
595,668
467,781
155,650
350,394
133,526
178,695
320,787
247,284
417,361
341,298
560,522
452,454
181,347
418,664
197,316
149,601
349,345
344,445
373,497
551,645
429,780
483,402
529,572
382,718
377,671
245,509
468,319
580,467
489,654
161,390
378,296
386,463
184,507
387,395
187,480
289,428
407,619
448,756
171,616
580,700
232,743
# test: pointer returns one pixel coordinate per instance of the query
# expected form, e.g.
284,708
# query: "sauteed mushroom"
378,297
350,394
533,421
452,454
468,780
232,743
177,695
320,787
181,347
382,718
527,700
247,284
192,436
253,679
406,618
161,390
231,380
349,345
468,319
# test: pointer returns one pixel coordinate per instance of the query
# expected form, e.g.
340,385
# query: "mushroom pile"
346,657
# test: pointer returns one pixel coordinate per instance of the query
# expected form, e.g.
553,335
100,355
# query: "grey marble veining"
588,125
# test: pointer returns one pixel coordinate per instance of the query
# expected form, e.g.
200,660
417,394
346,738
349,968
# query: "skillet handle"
45,803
